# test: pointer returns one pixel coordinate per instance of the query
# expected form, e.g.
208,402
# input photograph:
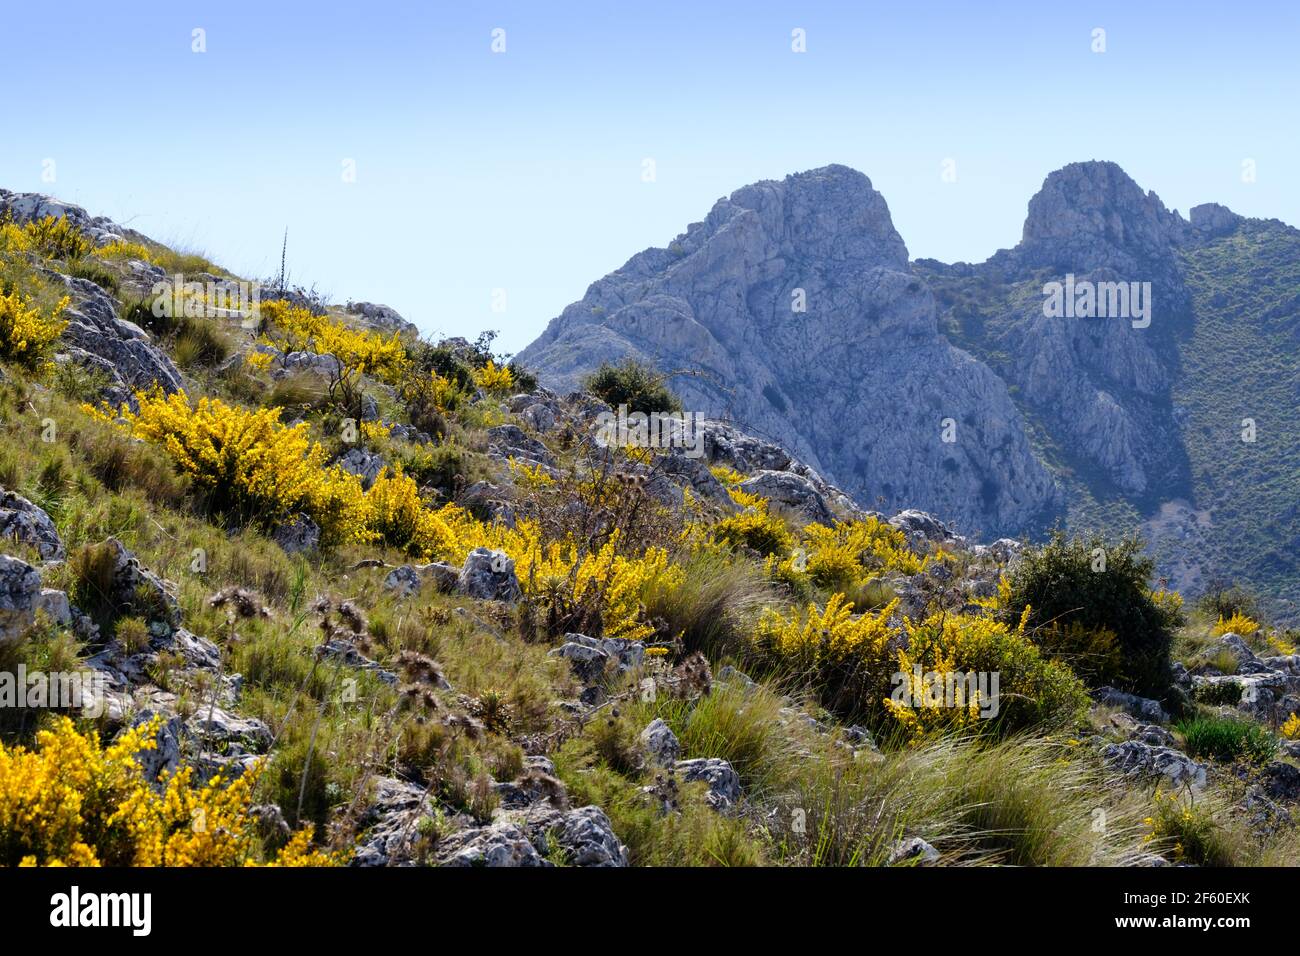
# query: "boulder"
913,851
789,494
921,528
138,590
588,839
588,663
403,581
365,464
298,535
165,756
503,843
20,594
721,777
126,351
1141,707
391,823
660,743
511,441
1141,759
25,522
382,317
56,606
489,575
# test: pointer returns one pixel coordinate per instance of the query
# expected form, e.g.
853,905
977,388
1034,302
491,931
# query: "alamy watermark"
56,690
175,298
925,689
1085,299
624,429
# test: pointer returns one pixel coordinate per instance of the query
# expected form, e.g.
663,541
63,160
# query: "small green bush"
1066,583
634,384
200,344
1227,739
1223,601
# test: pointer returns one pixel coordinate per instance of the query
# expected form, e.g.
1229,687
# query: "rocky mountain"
794,310
963,388
474,631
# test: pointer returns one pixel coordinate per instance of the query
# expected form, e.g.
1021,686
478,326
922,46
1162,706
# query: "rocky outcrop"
1141,759
135,589
97,338
794,305
382,318
26,207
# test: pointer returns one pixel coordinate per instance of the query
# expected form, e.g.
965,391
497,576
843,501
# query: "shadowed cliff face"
1101,383
792,309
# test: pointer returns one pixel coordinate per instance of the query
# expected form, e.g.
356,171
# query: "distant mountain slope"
1114,423
795,310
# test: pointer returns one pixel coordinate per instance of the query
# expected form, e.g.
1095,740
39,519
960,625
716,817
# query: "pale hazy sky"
522,170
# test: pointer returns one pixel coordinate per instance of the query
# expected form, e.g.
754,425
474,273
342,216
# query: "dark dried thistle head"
240,602
417,696
352,617
420,668
469,726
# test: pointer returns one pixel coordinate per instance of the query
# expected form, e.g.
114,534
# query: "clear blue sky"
522,171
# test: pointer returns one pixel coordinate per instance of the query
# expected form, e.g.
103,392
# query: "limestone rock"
24,521
489,576
20,593
660,743
721,777
299,534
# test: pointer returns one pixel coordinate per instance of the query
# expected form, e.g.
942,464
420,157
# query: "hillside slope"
338,595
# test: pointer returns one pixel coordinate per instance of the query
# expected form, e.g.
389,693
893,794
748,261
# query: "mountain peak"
832,211
1086,211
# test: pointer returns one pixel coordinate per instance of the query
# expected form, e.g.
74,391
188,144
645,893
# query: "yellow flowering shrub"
604,587
437,391
14,240
1184,830
55,237
375,431
530,478
863,668
259,361
563,580
1237,624
999,599
728,476
846,658
119,250
249,463
493,379
839,556
1290,729
1031,690
754,528
1169,602
396,515
74,802
292,328
28,333
1281,645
